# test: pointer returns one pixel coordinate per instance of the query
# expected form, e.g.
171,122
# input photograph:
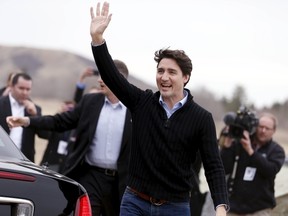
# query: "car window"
8,148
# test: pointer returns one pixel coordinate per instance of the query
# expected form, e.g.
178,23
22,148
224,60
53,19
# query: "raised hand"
88,72
99,22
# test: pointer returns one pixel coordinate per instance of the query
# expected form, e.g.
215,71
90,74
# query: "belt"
154,201
108,172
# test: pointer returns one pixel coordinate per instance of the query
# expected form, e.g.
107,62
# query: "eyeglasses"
261,127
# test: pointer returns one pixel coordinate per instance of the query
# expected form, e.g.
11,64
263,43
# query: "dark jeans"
132,205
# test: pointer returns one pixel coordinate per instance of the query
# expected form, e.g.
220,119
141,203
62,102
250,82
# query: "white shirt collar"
14,102
120,104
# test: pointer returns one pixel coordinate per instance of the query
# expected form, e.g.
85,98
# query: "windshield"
7,148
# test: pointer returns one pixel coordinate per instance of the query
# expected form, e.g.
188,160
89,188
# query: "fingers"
13,121
30,107
98,9
89,72
92,13
28,103
104,10
10,121
246,134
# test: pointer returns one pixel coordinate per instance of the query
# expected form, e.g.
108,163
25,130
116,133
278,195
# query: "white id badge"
62,147
249,174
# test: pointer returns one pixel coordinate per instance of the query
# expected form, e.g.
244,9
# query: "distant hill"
54,72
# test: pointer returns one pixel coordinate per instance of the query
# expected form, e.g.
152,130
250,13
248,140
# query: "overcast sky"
230,42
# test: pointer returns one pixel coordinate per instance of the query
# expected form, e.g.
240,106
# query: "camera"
242,120
95,72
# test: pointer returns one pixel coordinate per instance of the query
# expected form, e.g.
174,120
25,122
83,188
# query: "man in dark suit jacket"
18,103
103,184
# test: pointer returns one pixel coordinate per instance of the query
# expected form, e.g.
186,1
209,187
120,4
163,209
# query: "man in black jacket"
100,155
252,165
169,128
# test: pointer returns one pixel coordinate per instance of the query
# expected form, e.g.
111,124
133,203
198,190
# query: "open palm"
100,21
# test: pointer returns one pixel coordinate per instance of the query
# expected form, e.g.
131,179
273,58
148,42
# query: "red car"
27,189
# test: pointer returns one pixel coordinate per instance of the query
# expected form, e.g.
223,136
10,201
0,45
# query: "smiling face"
170,81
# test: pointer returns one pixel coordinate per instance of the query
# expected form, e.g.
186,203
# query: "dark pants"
102,190
133,205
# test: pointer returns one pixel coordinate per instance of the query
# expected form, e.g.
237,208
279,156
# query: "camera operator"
251,163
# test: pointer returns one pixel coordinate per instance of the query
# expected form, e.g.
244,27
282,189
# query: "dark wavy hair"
179,56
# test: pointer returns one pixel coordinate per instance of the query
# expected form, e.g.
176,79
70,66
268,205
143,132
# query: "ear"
186,78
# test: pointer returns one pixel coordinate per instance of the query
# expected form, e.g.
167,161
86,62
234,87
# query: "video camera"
240,121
